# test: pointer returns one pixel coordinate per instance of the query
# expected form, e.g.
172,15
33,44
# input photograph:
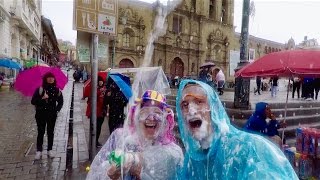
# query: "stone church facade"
198,30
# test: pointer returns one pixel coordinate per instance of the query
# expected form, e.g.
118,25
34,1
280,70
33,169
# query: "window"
194,5
177,24
212,9
24,5
223,12
30,13
36,23
126,40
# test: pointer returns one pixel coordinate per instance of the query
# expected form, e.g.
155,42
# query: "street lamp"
242,86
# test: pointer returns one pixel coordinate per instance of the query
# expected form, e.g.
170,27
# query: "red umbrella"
87,84
285,64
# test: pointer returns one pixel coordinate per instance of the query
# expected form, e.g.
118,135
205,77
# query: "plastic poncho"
233,154
161,160
257,122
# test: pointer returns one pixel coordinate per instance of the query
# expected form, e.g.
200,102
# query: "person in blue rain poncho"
257,123
217,150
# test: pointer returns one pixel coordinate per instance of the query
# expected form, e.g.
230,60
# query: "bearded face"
196,112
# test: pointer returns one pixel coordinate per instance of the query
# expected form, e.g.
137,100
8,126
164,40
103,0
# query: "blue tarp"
8,63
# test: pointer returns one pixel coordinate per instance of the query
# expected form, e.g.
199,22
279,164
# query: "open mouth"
195,123
150,125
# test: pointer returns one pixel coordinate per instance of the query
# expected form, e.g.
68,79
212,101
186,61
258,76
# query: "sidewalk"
21,164
81,126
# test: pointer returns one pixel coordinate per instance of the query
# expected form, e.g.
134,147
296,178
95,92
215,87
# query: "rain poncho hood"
257,122
233,154
260,109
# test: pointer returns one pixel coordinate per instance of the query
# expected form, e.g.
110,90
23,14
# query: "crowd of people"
306,88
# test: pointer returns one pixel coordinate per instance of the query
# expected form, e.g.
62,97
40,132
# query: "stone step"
171,99
290,131
242,114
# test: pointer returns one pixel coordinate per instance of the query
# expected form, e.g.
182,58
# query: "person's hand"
272,117
45,96
114,172
282,124
109,93
136,170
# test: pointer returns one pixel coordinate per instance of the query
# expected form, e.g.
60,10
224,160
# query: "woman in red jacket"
101,91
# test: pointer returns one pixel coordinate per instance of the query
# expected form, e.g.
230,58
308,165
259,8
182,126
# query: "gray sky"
276,20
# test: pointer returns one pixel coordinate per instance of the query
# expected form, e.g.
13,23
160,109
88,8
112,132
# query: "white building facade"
20,29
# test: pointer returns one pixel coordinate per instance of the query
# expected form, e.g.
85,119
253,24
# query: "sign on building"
84,54
234,60
96,16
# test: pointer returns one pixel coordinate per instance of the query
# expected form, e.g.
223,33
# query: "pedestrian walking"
116,101
316,85
101,111
48,101
84,76
309,90
296,86
220,80
258,82
274,86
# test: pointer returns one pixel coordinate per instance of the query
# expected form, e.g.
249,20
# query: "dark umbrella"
207,64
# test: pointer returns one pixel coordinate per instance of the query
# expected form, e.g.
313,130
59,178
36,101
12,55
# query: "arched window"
126,40
212,9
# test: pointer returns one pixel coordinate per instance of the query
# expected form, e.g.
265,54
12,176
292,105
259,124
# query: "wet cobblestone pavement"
18,132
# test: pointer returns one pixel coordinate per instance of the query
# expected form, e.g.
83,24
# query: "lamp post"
242,85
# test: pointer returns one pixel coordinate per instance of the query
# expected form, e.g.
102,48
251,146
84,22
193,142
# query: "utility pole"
242,85
94,84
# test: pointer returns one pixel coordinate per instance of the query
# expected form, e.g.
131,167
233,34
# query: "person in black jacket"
48,101
116,101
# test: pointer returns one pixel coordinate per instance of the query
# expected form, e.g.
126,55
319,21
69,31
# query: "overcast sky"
276,20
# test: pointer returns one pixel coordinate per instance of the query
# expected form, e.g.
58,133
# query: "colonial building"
49,44
259,47
20,28
198,30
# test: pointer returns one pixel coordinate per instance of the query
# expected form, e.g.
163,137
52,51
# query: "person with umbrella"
116,101
101,91
48,101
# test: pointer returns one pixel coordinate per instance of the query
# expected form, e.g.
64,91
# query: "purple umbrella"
29,80
207,64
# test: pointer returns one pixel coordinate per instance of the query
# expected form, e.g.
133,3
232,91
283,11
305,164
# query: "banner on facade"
234,60
84,54
96,16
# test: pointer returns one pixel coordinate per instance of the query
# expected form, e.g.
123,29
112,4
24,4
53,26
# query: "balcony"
24,21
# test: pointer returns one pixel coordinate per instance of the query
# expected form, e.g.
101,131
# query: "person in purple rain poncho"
146,144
